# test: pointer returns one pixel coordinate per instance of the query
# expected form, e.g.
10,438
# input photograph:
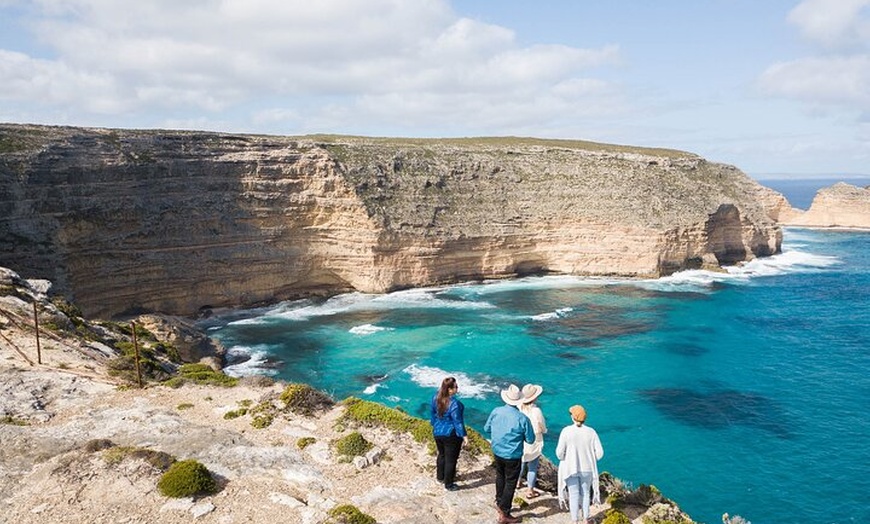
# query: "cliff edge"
127,221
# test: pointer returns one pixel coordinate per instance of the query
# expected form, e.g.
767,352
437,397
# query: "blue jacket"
509,428
453,421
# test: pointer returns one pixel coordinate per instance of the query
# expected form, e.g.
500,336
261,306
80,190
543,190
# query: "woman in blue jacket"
448,427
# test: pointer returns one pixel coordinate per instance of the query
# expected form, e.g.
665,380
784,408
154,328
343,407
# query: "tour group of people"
516,431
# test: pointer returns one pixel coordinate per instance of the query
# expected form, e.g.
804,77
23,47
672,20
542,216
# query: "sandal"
532,494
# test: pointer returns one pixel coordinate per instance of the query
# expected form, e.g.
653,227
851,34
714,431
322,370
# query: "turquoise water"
744,392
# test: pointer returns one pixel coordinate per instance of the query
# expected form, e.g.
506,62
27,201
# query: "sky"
777,88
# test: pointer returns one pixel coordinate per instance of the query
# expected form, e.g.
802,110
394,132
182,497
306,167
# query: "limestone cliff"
841,205
177,221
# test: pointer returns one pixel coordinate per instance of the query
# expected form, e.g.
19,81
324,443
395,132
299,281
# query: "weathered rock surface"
129,221
841,205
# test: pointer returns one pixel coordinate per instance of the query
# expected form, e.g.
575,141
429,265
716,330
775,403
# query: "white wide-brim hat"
512,395
531,392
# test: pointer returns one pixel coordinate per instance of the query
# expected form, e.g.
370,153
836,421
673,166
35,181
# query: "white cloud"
837,80
833,23
199,59
837,76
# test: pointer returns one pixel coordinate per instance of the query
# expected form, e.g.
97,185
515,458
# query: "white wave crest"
431,377
367,329
561,312
256,363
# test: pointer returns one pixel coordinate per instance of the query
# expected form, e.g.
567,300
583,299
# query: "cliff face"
179,221
841,205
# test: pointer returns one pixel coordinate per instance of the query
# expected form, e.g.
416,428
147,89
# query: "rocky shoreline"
79,445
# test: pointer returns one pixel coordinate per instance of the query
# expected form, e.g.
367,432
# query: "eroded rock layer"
177,221
840,205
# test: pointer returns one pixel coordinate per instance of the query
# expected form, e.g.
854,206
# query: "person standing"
579,450
508,429
532,452
448,428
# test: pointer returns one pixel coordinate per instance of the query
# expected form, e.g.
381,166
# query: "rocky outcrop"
176,222
841,205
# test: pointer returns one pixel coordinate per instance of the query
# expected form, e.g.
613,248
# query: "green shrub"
348,514
304,442
186,478
12,421
614,516
373,414
352,445
236,413
262,420
117,454
303,399
200,374
183,406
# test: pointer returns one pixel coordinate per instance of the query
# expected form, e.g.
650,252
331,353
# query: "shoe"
508,519
532,494
451,487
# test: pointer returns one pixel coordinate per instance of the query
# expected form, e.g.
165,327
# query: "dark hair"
442,400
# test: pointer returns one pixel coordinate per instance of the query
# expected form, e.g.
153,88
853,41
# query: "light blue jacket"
509,428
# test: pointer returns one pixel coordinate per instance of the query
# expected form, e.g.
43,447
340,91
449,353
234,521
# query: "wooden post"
36,324
136,351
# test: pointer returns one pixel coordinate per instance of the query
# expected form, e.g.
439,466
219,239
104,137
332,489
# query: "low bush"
200,374
373,414
304,442
614,516
303,399
349,514
186,478
352,445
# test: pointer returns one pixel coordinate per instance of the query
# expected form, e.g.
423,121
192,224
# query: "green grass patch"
372,414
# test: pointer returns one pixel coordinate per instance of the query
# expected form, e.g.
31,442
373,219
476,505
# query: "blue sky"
774,87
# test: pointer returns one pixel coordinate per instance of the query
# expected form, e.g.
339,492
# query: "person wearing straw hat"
532,452
578,450
508,429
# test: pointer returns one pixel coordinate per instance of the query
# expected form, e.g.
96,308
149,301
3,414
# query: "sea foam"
431,377
254,361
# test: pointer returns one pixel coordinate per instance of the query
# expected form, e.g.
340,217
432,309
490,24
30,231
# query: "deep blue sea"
744,392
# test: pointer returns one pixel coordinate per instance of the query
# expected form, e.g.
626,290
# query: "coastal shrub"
352,445
236,413
186,478
663,513
263,414
12,421
614,516
183,406
372,414
304,442
200,374
303,399
157,459
349,514
98,444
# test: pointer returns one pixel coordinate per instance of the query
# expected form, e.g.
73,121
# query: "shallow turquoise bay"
744,392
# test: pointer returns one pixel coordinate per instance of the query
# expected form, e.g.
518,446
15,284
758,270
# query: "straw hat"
531,392
512,395
578,413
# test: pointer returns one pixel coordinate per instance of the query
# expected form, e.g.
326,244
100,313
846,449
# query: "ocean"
743,392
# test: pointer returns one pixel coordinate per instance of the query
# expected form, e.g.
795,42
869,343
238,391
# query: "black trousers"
507,472
448,454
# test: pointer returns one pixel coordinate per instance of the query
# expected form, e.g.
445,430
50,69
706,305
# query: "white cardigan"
534,450
578,450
